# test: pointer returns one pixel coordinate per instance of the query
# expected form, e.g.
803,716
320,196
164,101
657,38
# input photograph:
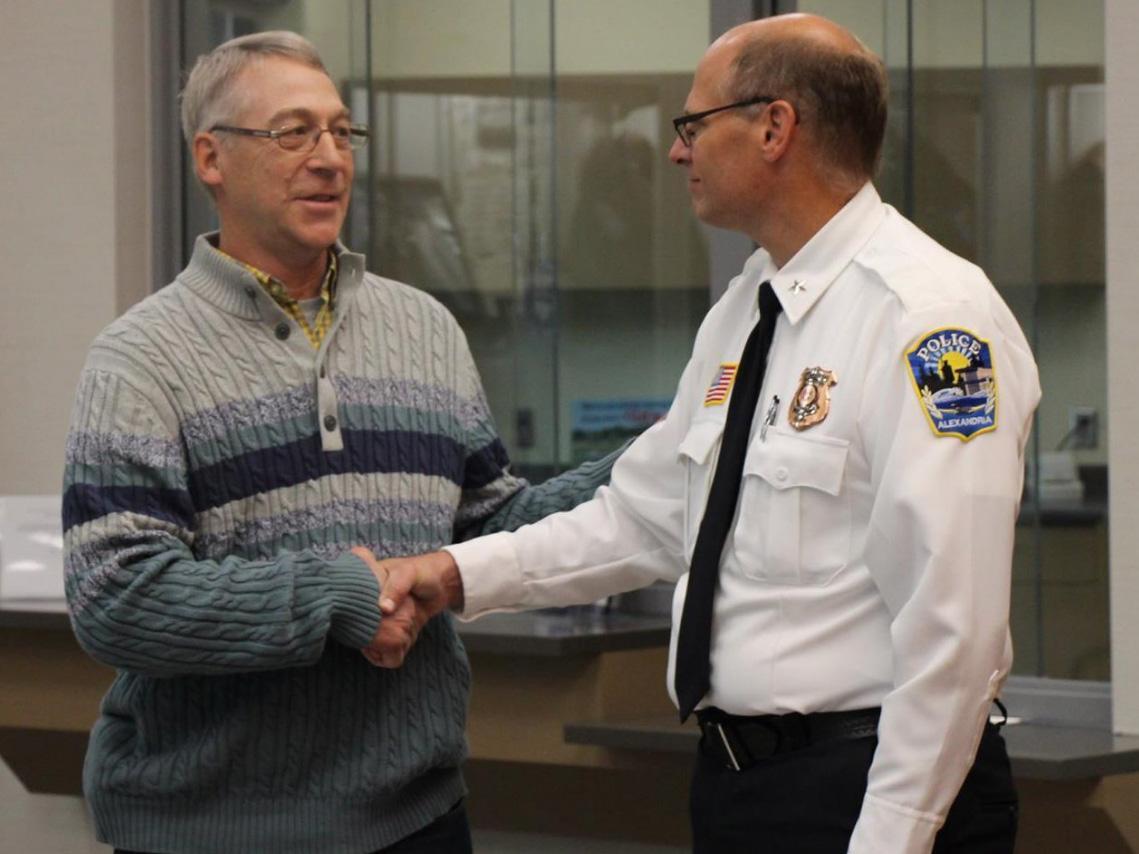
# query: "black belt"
740,742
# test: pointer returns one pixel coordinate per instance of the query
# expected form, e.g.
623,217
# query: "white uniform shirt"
869,563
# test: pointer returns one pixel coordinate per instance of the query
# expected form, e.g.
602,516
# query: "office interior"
517,172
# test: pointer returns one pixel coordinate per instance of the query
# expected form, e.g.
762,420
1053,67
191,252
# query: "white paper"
31,547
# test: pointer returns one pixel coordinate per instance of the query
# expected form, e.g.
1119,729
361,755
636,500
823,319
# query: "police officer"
842,535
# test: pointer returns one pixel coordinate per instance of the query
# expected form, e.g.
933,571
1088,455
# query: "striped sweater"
218,469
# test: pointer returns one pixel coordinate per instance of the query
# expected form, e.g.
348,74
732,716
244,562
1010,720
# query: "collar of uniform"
826,254
229,286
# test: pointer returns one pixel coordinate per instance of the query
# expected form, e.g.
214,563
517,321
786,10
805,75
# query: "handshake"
412,591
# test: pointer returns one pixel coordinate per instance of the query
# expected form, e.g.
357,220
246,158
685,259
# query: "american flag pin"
721,384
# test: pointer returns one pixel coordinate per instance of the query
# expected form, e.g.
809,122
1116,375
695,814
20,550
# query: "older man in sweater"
235,437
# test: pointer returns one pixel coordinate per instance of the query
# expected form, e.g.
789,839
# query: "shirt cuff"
491,573
886,828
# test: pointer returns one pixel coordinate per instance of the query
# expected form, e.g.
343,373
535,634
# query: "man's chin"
716,217
317,238
704,213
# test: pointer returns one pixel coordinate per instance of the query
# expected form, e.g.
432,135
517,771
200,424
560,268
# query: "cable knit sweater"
218,469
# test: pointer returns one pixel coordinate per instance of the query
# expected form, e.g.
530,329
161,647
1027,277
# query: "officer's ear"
779,125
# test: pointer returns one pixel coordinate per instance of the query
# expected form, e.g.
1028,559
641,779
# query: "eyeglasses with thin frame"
686,133
306,135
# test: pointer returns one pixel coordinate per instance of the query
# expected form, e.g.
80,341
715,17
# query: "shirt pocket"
794,523
697,454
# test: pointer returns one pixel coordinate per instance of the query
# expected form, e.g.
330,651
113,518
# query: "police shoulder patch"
956,383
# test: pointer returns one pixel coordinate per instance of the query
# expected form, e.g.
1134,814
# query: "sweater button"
282,330
249,292
330,423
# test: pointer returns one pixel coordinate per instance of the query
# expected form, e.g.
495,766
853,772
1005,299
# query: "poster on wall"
600,426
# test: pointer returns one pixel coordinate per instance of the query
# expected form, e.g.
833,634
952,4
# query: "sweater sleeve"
140,598
563,492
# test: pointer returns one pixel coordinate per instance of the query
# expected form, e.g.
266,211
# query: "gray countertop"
1037,751
586,630
1064,514
33,614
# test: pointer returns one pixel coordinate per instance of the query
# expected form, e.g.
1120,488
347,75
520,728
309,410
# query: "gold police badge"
812,401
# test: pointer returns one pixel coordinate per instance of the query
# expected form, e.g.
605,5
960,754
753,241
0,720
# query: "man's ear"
206,151
779,127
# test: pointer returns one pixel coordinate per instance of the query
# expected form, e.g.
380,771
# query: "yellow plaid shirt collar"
315,331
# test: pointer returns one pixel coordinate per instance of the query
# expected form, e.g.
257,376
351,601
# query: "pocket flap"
698,442
787,461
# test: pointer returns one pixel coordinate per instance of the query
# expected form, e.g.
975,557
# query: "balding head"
838,87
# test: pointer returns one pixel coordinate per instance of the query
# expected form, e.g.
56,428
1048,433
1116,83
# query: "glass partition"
995,148
524,182
518,172
632,259
575,264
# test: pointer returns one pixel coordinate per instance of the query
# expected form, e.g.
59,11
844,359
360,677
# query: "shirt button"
282,330
330,423
781,474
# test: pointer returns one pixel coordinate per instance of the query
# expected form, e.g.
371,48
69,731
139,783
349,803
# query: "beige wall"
71,214
1123,378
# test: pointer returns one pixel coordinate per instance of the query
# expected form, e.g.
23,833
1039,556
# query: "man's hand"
399,625
432,580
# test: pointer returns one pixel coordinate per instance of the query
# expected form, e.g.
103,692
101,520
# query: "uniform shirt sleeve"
139,598
939,548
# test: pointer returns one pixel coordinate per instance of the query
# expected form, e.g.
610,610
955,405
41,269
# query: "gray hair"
842,95
209,97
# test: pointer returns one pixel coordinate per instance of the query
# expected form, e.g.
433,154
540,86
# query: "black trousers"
448,834
807,802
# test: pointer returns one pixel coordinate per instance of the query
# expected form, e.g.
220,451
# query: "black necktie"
693,667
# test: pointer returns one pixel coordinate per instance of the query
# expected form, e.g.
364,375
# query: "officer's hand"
432,580
400,623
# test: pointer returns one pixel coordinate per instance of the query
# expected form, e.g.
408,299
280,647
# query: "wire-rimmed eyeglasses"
305,136
686,133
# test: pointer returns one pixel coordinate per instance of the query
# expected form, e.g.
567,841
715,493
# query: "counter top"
585,630
34,614
1064,514
1037,751
564,631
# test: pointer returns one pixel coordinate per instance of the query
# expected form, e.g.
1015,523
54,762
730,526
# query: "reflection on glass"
539,206
633,264
995,148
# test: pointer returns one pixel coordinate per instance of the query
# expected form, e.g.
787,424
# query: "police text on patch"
956,382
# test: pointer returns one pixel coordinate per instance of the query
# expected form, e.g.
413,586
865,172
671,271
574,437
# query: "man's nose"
680,154
326,154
